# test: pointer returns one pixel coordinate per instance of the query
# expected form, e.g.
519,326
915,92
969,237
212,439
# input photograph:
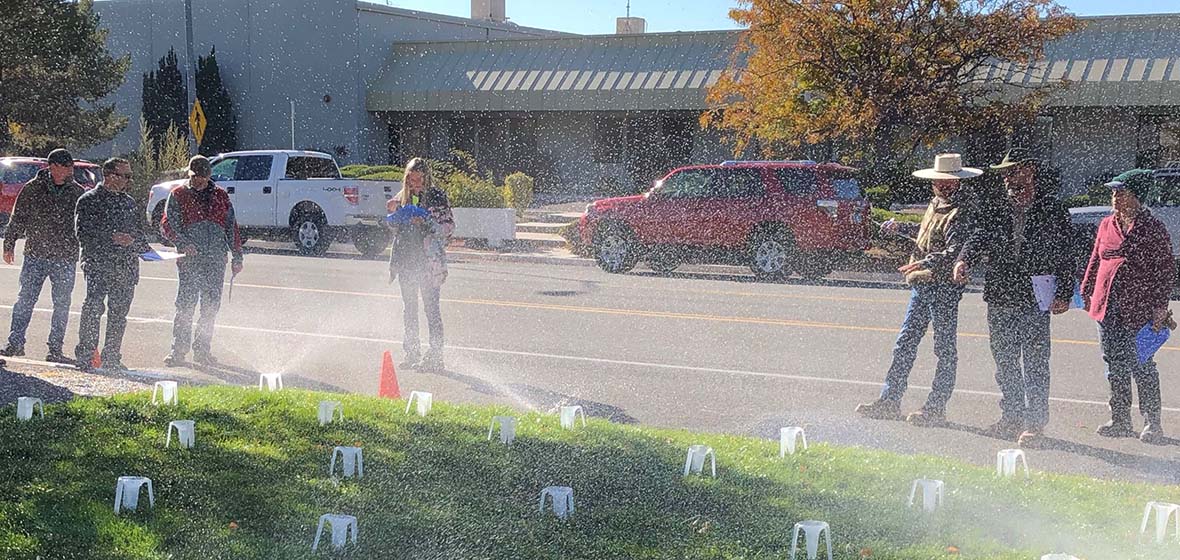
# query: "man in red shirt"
1127,284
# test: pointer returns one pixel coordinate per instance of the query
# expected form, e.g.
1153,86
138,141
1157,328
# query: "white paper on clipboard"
155,255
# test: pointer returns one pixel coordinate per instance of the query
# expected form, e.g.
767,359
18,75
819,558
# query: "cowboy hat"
948,166
1014,157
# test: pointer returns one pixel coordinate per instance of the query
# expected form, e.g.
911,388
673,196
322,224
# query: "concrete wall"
272,52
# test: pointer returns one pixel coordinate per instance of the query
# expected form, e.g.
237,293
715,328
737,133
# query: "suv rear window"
796,181
311,168
847,188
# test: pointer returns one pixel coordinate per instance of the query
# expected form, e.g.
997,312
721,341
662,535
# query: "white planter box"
493,224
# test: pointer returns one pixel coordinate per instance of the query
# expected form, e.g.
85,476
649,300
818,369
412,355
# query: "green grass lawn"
257,481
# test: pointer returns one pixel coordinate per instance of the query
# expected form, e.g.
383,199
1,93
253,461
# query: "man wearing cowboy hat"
1127,286
934,297
1029,236
199,220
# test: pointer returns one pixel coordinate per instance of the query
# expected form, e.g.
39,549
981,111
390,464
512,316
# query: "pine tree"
165,97
221,133
55,71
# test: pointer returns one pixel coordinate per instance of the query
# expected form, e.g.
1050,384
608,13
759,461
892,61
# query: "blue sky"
598,16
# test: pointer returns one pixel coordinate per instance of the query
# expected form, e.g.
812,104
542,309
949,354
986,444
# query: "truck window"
242,168
847,188
18,173
304,167
690,183
796,181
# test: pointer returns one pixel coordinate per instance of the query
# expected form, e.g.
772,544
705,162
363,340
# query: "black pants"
200,282
110,287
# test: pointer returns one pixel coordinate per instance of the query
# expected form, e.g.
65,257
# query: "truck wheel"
370,241
310,230
771,252
615,248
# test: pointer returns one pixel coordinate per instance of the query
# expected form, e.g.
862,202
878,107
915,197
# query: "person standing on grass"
418,261
934,297
44,215
1127,284
199,220
108,226
1029,235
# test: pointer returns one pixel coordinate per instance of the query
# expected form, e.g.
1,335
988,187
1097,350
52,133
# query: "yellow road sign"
197,122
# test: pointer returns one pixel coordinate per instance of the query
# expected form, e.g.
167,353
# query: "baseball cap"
199,166
1139,181
60,157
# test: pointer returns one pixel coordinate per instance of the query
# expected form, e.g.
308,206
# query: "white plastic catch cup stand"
272,381
352,462
167,391
694,463
186,433
1059,557
424,402
1163,512
24,407
1006,462
127,493
507,429
811,533
569,414
329,409
340,526
932,493
788,438
562,499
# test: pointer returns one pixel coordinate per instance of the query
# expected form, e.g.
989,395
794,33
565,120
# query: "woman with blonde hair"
422,225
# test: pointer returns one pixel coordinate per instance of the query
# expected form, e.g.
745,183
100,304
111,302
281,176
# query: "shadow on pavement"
750,279
293,253
13,385
248,377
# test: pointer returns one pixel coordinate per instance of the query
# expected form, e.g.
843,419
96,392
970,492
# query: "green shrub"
518,192
386,176
468,191
880,215
361,171
1078,201
879,196
354,170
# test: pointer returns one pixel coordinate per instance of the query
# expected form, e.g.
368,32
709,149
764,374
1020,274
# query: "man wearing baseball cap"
44,216
1127,284
199,220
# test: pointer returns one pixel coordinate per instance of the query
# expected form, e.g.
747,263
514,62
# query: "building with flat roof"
377,84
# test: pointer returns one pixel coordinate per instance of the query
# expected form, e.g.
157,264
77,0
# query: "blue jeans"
33,273
200,282
937,304
1122,366
1021,334
414,284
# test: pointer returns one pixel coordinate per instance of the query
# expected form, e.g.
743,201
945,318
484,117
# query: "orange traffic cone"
388,387
96,360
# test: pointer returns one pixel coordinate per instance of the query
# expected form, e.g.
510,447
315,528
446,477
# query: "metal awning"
659,71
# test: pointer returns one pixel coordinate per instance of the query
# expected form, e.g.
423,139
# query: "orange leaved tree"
880,78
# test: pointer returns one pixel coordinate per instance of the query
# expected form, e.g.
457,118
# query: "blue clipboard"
406,213
1148,341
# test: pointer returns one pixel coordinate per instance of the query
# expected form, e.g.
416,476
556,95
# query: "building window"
610,139
1158,141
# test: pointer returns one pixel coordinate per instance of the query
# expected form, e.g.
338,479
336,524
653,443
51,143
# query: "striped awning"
659,71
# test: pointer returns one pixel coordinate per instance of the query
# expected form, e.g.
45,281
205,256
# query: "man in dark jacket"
111,234
934,299
199,220
1027,240
1127,286
44,216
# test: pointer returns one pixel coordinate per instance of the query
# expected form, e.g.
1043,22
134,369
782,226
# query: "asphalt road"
695,350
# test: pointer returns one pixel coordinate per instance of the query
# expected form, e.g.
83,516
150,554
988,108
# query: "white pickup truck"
297,196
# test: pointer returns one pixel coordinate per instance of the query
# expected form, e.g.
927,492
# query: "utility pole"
190,80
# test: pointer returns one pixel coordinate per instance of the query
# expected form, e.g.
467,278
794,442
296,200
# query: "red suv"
16,171
773,216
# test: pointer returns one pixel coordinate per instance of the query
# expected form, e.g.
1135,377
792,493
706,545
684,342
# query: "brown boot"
1006,428
927,418
880,409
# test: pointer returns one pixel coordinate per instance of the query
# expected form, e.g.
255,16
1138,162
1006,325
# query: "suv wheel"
771,252
615,248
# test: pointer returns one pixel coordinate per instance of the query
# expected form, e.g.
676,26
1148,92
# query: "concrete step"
540,239
539,227
533,216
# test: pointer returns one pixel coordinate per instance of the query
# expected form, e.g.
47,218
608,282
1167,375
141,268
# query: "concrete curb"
476,256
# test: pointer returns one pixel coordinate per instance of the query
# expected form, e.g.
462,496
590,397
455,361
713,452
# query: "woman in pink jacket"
1127,285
